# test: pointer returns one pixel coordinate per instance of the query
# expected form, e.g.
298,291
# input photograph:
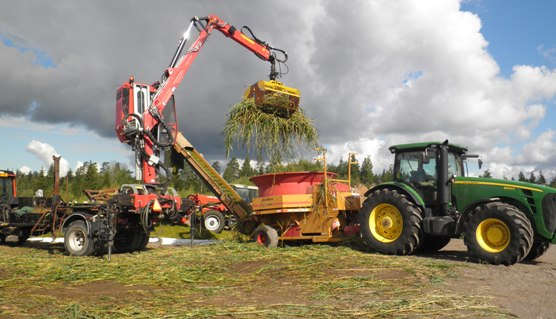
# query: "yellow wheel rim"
386,223
493,235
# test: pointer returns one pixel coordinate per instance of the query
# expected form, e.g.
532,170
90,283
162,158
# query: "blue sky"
517,32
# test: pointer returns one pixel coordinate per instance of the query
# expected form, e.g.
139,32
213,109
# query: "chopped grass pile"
230,280
264,132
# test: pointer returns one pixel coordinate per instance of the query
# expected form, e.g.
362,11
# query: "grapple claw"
274,98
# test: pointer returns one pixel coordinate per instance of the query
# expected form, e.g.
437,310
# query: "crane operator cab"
133,114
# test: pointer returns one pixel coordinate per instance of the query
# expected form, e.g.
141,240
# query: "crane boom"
145,114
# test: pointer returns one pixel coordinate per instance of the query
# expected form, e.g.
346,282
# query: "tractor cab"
429,168
7,187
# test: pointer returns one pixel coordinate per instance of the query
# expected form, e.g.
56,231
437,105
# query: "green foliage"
72,185
246,169
232,171
367,176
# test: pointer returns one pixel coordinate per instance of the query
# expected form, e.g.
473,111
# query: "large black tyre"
498,233
214,221
143,241
266,236
540,246
77,240
431,244
2,239
130,240
390,223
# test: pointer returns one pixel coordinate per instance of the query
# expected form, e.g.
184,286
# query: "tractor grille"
549,212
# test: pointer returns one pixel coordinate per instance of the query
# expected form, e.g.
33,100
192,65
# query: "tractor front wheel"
498,233
77,240
266,236
390,223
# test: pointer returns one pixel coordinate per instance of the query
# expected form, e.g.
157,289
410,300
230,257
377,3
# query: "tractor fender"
401,187
83,216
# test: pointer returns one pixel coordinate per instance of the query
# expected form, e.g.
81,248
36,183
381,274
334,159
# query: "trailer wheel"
540,246
390,223
214,221
498,233
266,236
77,240
431,244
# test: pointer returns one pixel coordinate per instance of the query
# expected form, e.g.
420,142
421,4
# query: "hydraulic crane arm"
143,121
178,67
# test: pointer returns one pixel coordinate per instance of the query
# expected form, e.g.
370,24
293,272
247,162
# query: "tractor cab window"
455,167
413,169
6,191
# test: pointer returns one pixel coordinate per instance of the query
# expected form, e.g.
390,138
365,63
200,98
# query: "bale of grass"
265,133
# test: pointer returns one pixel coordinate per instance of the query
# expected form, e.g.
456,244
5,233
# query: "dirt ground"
526,289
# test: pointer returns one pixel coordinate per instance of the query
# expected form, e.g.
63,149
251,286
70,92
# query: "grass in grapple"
264,132
229,280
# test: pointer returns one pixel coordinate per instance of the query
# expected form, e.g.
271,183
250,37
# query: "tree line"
185,181
533,178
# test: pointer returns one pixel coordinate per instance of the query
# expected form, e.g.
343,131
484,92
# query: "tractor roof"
6,173
423,145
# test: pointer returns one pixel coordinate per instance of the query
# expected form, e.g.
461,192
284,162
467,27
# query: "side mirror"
480,163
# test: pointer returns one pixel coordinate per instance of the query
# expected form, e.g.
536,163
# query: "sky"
480,73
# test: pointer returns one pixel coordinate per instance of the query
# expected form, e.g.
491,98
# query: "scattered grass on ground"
229,280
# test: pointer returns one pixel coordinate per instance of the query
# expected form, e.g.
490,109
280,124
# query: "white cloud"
44,152
25,169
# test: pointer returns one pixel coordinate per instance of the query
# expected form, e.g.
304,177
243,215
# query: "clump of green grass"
264,132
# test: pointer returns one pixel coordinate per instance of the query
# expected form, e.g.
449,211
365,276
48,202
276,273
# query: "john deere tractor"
430,201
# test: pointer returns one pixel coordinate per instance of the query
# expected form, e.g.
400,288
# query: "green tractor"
430,201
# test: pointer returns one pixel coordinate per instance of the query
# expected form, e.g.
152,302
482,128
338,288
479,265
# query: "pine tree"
246,169
553,182
542,179
259,167
487,174
217,167
521,177
532,178
367,176
232,171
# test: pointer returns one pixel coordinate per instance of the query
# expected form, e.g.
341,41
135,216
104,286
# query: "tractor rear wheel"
498,233
431,244
390,223
77,240
540,246
266,236
214,221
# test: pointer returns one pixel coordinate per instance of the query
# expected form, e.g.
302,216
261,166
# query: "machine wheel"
498,233
231,221
390,223
214,221
131,240
77,240
540,246
266,236
431,244
143,241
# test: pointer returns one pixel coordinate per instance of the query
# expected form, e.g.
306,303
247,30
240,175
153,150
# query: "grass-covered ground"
230,280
